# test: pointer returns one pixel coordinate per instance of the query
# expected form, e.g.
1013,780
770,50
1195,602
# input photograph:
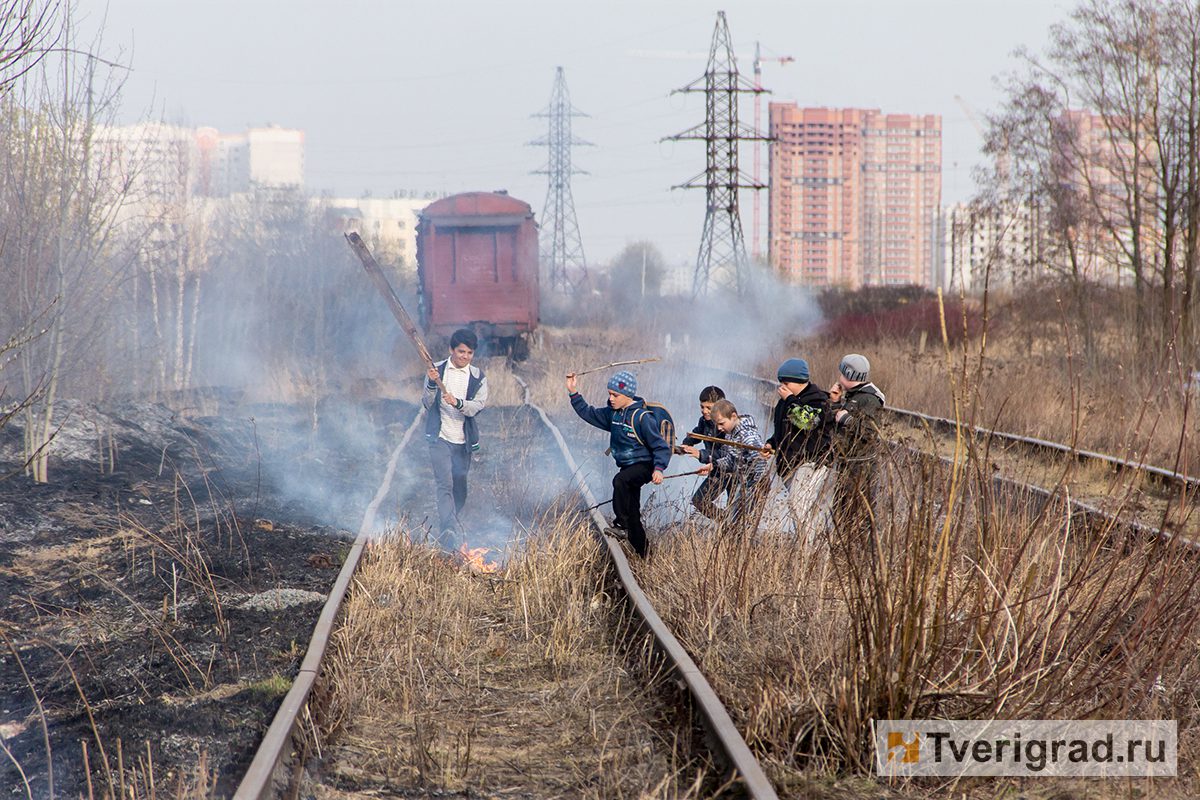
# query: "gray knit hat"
855,368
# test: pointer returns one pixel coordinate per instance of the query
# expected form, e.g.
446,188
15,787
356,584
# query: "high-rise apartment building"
855,196
991,247
1079,224
157,160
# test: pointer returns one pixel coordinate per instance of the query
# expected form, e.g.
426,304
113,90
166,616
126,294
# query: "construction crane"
755,248
1001,156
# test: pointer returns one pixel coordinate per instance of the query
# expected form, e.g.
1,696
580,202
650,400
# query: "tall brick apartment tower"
854,196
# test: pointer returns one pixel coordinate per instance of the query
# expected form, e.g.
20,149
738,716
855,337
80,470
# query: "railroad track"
1145,507
267,774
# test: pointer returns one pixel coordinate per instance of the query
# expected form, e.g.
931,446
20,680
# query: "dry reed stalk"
940,599
1031,619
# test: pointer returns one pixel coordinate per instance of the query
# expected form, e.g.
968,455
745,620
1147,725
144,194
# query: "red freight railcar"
477,267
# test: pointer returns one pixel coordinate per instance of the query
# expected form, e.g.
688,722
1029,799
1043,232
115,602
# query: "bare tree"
67,254
29,29
174,254
1105,129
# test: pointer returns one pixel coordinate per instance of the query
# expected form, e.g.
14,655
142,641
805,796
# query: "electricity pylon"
561,246
722,259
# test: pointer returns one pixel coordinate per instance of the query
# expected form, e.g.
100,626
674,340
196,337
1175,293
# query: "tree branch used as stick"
616,364
665,478
730,442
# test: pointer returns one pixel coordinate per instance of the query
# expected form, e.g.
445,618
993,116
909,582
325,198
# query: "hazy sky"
439,95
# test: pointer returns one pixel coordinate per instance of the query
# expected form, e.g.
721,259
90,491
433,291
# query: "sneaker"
620,534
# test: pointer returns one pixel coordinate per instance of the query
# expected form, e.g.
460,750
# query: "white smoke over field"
697,341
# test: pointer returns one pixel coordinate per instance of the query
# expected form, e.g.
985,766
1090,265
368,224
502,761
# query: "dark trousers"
853,499
747,500
708,493
627,502
451,463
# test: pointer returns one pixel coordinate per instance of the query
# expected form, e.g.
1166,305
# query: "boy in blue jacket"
636,445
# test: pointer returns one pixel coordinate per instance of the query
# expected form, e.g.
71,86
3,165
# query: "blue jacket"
626,449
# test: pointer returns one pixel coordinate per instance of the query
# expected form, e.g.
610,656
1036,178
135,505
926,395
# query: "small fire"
473,560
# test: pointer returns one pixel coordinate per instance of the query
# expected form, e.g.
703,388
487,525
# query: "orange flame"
473,560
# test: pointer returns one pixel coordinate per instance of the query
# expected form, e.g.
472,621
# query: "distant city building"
1100,167
1081,227
156,160
275,156
271,158
989,247
149,163
389,224
677,279
855,196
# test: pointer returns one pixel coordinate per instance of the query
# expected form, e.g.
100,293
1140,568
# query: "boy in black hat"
800,442
637,446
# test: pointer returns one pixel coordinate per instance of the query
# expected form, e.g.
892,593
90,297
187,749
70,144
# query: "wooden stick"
381,283
665,478
681,474
730,442
616,364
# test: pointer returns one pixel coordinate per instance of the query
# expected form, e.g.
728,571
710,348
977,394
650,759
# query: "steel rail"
1156,474
1089,514
716,717
265,771
265,776
1086,510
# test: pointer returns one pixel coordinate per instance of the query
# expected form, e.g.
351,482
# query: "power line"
722,259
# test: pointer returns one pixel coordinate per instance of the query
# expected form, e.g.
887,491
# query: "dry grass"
1132,412
506,686
946,603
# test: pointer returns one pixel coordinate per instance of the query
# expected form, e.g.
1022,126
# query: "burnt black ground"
122,592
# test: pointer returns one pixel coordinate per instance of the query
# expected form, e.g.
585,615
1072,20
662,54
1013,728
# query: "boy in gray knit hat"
853,396
856,403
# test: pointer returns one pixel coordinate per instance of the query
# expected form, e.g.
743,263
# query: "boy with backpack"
743,468
637,444
714,484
